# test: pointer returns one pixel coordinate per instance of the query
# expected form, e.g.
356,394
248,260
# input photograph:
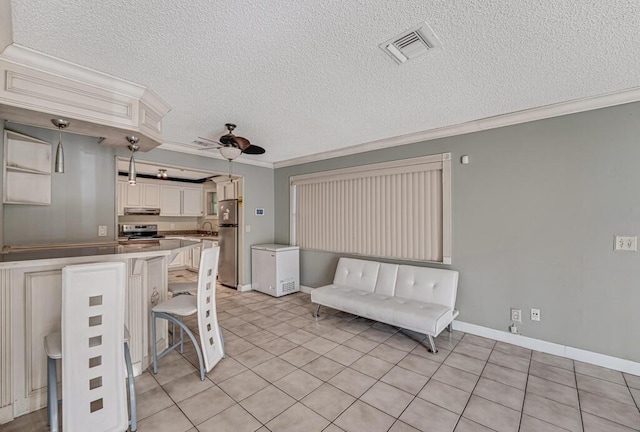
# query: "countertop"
135,250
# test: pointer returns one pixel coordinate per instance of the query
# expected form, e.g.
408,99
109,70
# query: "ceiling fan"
230,145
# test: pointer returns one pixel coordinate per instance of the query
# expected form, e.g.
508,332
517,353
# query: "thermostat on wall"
259,212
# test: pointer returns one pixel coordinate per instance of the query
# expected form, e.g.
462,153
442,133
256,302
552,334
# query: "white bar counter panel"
30,306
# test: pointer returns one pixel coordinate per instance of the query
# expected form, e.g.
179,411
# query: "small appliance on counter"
275,269
139,232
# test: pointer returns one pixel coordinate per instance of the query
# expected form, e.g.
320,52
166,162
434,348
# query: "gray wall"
84,196
81,199
534,214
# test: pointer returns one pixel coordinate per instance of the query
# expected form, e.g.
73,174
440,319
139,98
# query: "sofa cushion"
357,274
413,315
386,283
427,285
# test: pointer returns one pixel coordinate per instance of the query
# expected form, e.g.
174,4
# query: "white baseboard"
6,414
243,288
306,289
597,359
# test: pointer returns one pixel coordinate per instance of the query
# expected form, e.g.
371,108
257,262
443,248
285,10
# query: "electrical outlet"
626,243
172,226
516,315
535,314
247,228
102,230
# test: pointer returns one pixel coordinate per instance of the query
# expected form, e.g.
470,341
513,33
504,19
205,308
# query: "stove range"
140,232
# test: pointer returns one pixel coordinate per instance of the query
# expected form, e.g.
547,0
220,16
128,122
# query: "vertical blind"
384,210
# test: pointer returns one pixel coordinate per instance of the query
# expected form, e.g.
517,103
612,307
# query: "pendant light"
60,124
134,147
162,174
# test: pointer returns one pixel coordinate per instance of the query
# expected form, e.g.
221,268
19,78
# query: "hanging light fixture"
134,147
162,174
230,153
60,124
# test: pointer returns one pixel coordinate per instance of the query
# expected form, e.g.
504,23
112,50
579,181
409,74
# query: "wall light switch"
626,243
247,228
102,230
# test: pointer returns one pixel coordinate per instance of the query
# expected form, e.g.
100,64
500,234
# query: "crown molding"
39,61
513,118
183,148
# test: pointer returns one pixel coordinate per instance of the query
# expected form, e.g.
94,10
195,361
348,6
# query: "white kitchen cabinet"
27,170
227,190
150,195
122,193
192,201
180,201
142,195
170,200
178,261
133,198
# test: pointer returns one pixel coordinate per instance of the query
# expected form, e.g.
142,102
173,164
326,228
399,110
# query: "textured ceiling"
304,76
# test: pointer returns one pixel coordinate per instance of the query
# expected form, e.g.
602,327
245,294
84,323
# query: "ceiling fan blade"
241,142
208,148
208,139
253,150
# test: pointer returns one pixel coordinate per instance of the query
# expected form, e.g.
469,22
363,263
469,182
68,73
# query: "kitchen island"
30,305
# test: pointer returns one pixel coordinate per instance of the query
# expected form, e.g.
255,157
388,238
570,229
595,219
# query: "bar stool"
210,348
91,346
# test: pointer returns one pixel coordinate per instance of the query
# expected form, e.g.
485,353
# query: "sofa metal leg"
316,314
432,345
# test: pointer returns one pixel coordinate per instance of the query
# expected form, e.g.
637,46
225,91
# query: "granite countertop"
134,250
208,235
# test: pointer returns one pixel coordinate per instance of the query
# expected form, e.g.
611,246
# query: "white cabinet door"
150,195
170,201
226,190
122,196
195,258
178,261
192,202
133,196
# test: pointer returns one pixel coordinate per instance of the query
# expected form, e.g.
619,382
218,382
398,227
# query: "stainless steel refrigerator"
228,242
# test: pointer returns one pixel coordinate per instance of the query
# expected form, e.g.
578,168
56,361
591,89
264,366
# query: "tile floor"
286,371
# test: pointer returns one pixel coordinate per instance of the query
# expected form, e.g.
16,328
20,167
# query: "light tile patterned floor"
286,371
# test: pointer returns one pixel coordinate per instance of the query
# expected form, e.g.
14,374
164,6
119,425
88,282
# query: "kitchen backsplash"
170,223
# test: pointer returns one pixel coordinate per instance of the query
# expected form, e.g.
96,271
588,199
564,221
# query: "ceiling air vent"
411,43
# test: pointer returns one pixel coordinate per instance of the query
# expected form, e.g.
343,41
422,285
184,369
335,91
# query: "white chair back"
210,336
93,374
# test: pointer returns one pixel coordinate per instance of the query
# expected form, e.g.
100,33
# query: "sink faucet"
210,226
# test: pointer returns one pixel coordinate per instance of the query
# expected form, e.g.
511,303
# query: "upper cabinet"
180,200
27,170
141,195
227,190
35,87
172,198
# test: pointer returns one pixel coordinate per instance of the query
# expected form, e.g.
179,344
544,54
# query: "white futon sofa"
421,299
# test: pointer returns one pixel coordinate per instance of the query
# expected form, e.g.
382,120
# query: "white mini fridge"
275,269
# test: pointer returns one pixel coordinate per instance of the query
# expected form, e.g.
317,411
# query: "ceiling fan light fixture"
230,153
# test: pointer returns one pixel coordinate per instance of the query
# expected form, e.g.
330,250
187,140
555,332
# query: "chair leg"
132,390
196,344
154,347
316,314
224,354
52,390
432,345
181,336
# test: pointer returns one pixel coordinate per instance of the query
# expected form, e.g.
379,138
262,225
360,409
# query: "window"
399,209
